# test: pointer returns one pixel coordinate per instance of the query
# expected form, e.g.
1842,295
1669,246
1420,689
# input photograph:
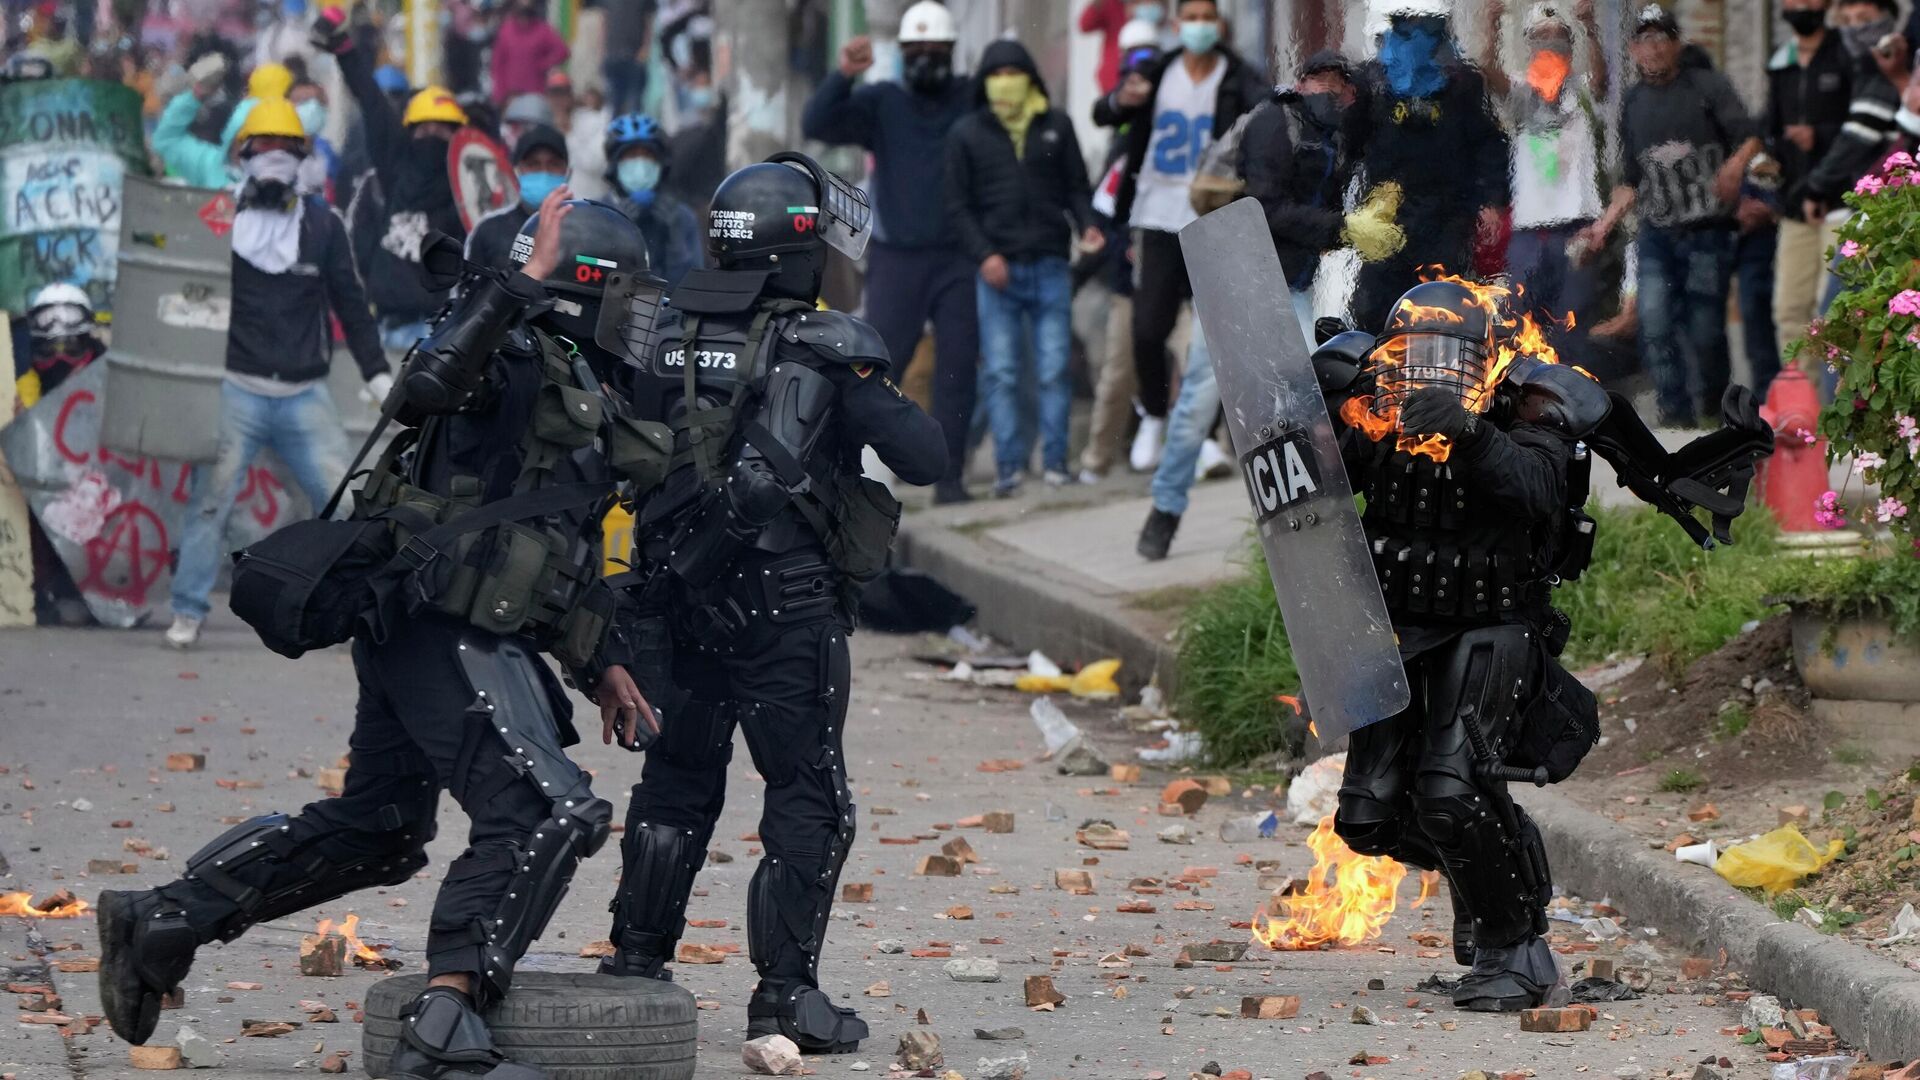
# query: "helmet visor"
1409,362
844,217
629,312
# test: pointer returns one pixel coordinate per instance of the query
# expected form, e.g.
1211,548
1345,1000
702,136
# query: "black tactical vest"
719,343
1440,554
532,576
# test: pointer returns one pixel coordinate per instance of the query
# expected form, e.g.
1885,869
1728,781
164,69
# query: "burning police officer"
1422,628
1463,512
493,494
747,563
1471,446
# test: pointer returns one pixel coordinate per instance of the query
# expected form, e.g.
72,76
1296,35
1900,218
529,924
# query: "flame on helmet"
1514,337
1420,312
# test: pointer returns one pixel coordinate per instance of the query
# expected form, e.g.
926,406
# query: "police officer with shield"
494,488
1423,629
1474,458
1465,512
747,563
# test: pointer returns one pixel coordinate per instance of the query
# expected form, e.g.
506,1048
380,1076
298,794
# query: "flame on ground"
1294,703
358,951
61,905
1289,701
1348,898
1428,879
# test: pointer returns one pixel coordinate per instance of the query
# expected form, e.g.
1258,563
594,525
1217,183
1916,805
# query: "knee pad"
1446,818
1364,836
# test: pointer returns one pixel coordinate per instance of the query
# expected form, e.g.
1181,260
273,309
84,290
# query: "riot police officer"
1474,457
748,558
494,488
1468,512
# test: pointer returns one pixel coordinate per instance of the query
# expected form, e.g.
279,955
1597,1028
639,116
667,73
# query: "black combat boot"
635,962
146,948
1523,975
442,1037
1156,536
806,1015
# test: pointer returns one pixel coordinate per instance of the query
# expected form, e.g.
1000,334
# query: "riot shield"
170,312
114,519
1336,619
482,174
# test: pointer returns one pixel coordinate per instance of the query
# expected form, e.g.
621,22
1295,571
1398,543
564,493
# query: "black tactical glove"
1432,410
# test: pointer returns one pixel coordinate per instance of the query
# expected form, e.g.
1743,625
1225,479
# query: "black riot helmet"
597,241
1440,333
780,216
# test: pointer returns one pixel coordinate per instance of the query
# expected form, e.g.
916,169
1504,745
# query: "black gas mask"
928,71
270,180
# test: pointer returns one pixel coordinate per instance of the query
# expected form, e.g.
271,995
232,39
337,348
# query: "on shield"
1336,619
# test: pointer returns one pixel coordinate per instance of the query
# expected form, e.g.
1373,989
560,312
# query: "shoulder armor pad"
1337,362
838,337
1574,403
718,292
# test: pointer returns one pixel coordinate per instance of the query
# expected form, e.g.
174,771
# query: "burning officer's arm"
1521,471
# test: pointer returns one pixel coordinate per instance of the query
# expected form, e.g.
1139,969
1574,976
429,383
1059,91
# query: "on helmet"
59,310
269,80
1137,34
928,20
1441,333
527,109
780,216
629,130
390,79
273,116
762,210
435,104
596,241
